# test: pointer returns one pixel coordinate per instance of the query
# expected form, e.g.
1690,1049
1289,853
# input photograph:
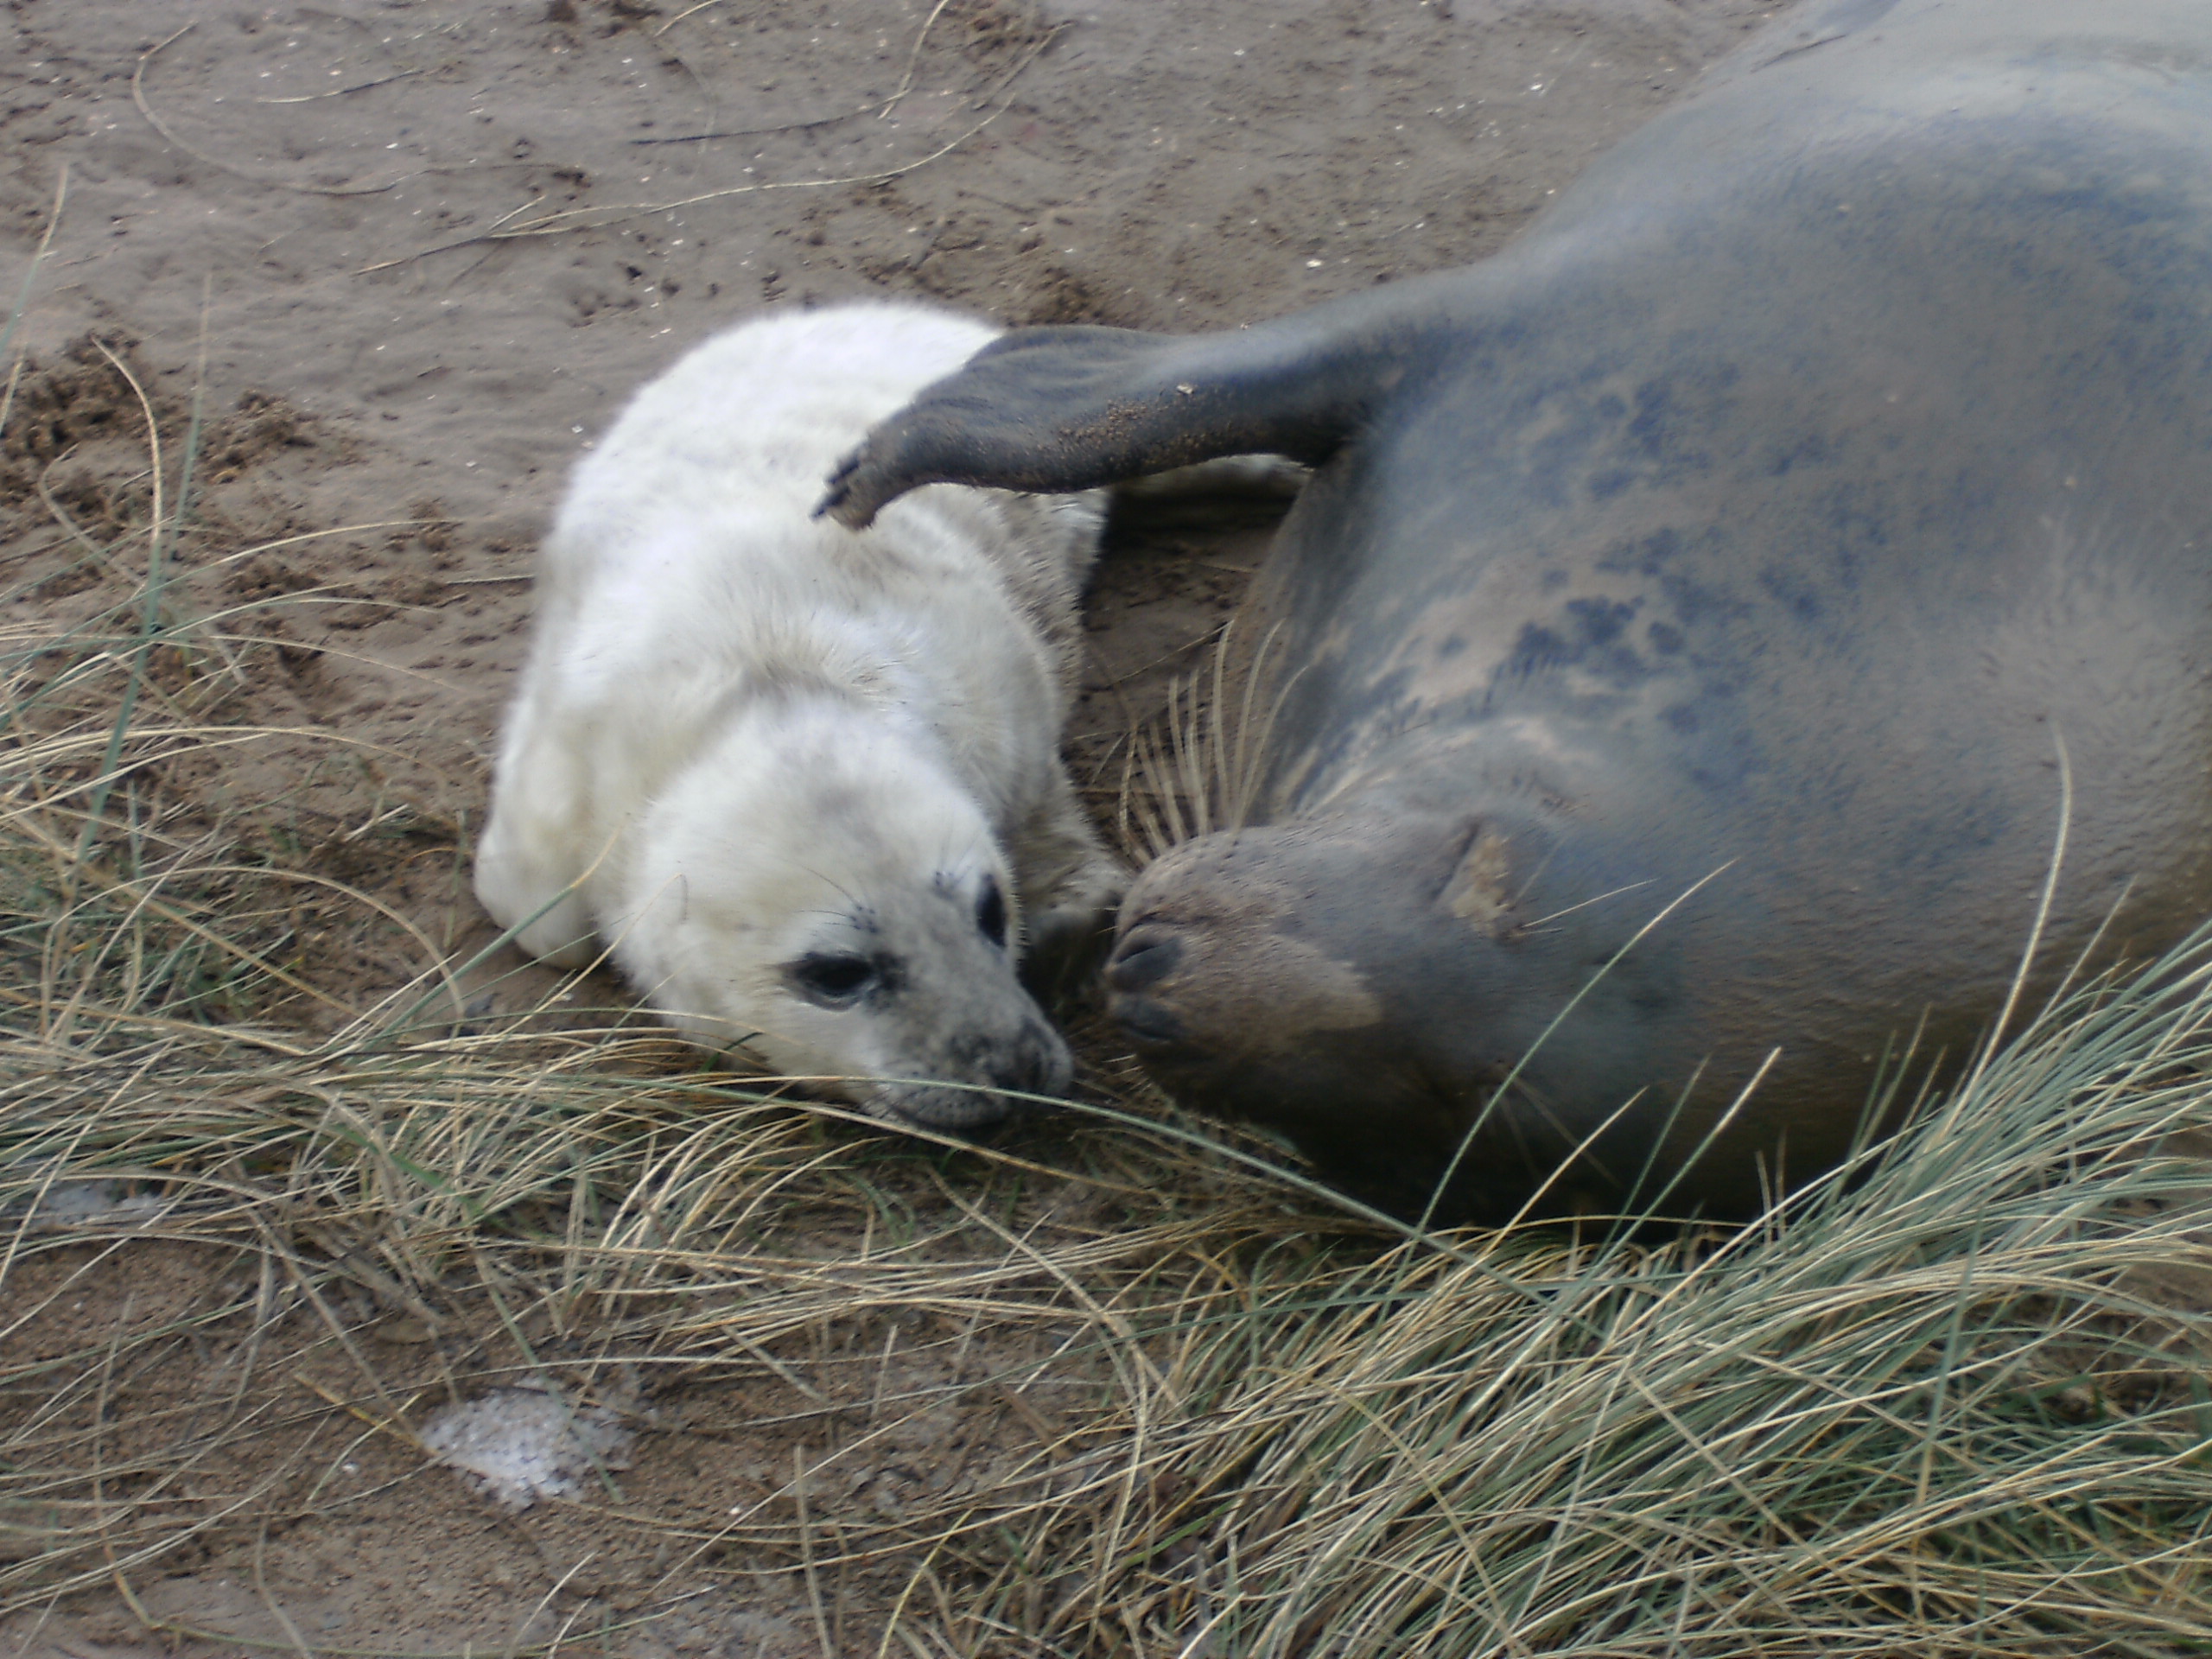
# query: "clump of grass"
1952,1401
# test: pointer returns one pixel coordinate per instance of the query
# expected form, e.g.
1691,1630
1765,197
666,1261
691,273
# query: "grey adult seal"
1697,617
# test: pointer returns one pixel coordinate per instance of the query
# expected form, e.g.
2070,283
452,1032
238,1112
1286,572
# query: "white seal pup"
803,783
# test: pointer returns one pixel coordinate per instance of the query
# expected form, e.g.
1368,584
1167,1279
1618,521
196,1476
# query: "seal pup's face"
836,905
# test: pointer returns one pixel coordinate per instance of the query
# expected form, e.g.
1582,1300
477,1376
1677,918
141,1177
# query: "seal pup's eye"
832,981
990,912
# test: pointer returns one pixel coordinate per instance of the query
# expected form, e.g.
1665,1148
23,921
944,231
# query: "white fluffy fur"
747,739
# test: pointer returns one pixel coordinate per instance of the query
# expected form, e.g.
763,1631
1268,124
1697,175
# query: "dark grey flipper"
1051,410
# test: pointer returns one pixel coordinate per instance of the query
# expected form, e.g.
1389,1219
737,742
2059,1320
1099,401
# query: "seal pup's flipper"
1064,409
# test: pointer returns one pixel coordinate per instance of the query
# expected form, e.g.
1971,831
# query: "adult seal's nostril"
1662,699
1147,1021
1143,959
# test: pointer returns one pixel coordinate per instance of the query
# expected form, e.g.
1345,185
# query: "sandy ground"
411,256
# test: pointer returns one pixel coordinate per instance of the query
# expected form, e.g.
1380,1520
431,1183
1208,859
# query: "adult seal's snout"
1699,613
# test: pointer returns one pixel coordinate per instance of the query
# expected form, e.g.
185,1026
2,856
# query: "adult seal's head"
1704,620
1270,975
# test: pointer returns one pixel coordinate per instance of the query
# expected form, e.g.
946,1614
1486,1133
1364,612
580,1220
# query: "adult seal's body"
1703,618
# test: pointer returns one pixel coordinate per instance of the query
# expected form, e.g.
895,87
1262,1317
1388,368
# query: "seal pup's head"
827,898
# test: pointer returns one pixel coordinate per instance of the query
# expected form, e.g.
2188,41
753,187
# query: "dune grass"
1952,1402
